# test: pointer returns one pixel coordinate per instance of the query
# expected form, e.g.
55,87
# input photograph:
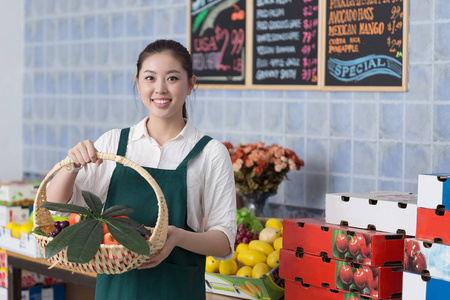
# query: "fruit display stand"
341,275
418,287
384,211
244,287
26,245
368,247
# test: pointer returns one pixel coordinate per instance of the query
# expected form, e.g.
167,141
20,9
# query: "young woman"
194,172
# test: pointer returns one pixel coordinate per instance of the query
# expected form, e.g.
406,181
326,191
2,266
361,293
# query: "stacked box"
367,247
394,212
17,193
369,281
419,287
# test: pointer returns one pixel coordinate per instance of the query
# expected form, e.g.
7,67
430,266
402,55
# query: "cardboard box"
433,225
426,258
367,247
17,193
384,211
418,288
245,288
26,245
16,214
297,290
341,275
434,191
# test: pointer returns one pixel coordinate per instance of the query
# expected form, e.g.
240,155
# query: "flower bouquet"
259,169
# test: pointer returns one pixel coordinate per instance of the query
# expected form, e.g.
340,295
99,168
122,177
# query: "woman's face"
163,85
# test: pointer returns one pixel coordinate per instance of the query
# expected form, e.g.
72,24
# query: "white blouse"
211,191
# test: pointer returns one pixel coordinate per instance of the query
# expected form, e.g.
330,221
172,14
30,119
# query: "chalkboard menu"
365,43
285,35
217,40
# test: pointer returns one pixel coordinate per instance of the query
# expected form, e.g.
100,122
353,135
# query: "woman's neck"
163,130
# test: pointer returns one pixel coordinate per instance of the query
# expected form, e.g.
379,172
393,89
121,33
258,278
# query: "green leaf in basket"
85,244
127,235
63,238
117,210
133,223
67,208
93,202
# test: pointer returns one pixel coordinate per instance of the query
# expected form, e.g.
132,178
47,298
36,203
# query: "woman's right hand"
84,152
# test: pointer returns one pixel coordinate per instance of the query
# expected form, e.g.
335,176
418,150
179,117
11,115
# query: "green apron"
182,274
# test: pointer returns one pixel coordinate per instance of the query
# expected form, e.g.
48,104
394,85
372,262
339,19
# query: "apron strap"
123,142
196,150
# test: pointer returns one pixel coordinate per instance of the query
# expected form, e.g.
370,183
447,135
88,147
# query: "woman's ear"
192,84
136,80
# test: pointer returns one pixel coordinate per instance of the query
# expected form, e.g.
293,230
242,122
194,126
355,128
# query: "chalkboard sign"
217,41
285,42
365,44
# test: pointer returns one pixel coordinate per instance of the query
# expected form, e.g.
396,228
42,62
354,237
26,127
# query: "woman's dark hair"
176,49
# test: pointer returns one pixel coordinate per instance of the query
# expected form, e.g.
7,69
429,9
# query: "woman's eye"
149,78
172,78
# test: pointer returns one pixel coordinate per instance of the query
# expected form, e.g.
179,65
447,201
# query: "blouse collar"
140,131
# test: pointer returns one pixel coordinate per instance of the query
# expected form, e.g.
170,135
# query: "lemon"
261,246
275,223
251,257
273,259
212,265
269,234
278,243
228,267
245,271
15,232
241,247
26,227
259,270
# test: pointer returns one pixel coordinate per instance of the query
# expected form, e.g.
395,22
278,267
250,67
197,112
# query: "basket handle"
42,218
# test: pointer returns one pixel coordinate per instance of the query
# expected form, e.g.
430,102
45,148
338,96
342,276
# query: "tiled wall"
79,69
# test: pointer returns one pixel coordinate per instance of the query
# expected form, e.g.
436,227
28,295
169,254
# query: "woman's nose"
161,87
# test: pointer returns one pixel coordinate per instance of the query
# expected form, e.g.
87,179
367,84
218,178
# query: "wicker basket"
110,259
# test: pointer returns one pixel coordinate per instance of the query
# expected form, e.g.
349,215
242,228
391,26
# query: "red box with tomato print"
369,281
433,225
384,211
297,290
367,247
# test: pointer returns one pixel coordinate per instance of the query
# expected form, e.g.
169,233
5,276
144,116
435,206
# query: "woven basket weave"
110,259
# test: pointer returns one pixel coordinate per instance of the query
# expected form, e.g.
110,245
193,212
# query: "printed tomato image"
414,260
356,280
346,274
341,243
351,246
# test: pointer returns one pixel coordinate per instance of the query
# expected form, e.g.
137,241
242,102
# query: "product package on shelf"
434,191
15,214
25,245
368,247
17,193
244,287
296,290
369,281
383,211
433,225
419,287
424,258
47,292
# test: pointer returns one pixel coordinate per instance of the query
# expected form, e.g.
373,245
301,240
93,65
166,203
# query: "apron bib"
182,274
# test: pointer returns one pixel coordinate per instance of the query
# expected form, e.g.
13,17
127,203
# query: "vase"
257,204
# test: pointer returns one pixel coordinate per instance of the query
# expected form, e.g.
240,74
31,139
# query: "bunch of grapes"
59,225
245,235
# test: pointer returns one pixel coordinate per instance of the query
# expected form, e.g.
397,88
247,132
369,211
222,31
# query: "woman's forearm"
60,188
214,242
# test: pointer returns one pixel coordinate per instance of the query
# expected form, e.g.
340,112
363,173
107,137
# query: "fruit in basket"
245,271
259,270
84,238
251,257
261,246
273,259
212,265
228,267
275,223
269,235
59,226
74,218
108,239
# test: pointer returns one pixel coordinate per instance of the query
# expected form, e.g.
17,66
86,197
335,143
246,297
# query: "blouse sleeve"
220,194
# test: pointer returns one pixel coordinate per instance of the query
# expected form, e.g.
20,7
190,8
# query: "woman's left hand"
165,251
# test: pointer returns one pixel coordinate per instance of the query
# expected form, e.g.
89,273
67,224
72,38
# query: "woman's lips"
161,102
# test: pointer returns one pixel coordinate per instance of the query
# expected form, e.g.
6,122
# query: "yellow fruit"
275,223
269,235
26,227
278,243
261,246
273,259
281,231
212,265
259,270
15,232
228,267
245,271
251,257
241,247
